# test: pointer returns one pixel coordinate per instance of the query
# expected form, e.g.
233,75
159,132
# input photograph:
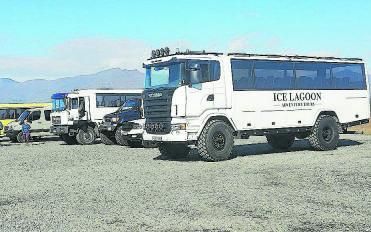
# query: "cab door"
35,122
201,76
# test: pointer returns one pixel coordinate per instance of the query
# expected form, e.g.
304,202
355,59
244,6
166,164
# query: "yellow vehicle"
10,112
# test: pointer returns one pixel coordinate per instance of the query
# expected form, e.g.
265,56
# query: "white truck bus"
208,99
78,114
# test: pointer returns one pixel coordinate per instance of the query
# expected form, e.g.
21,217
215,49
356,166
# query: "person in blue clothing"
26,128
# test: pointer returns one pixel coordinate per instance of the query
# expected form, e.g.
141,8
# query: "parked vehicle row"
205,100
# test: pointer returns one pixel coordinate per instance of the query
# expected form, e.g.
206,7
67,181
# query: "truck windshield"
23,116
58,104
164,75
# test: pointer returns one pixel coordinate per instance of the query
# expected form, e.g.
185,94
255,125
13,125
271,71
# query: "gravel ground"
49,186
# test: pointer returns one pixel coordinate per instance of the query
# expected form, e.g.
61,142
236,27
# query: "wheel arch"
223,118
326,112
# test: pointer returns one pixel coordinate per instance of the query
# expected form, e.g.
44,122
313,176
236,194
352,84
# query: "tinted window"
74,103
270,75
312,75
348,76
114,100
200,71
35,115
241,74
8,114
47,115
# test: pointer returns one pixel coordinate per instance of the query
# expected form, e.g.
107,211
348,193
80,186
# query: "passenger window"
241,74
74,103
348,76
47,115
271,75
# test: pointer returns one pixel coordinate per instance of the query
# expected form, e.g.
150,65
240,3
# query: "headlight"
180,126
137,126
115,119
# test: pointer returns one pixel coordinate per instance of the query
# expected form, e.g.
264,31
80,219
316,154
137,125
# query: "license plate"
156,138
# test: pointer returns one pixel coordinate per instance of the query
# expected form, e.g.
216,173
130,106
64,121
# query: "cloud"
74,57
239,44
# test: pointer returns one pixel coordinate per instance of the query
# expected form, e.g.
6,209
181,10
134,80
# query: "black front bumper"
59,130
107,126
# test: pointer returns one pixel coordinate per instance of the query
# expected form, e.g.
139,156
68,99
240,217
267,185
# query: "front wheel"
20,137
174,150
281,141
325,133
86,137
119,138
216,141
107,139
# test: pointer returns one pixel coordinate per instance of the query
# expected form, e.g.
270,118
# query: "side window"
2,113
348,76
203,71
74,103
241,74
271,75
35,115
108,100
47,115
307,75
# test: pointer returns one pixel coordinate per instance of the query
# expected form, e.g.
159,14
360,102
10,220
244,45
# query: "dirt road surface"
49,186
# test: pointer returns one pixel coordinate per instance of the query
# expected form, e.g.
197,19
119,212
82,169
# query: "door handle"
210,97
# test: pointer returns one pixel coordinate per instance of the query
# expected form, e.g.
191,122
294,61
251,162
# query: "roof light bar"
160,52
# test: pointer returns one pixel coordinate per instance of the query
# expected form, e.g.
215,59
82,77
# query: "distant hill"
40,90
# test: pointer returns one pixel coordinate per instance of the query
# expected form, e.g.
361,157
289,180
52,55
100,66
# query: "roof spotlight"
162,51
153,54
167,51
158,52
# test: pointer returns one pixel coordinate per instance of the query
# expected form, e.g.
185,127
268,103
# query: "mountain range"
40,90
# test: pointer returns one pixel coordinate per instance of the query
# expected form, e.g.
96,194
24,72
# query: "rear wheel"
216,141
281,141
174,150
325,133
107,138
69,140
86,137
119,138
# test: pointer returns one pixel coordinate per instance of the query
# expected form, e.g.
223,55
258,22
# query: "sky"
60,38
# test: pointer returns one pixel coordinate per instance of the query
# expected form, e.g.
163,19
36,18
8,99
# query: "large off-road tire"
281,141
86,137
149,144
20,138
216,141
107,138
119,138
69,140
174,150
325,133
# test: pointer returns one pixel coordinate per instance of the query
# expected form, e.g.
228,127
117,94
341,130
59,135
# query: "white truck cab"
82,111
207,99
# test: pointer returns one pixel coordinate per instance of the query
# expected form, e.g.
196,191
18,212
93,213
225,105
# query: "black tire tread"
106,139
314,139
119,139
202,140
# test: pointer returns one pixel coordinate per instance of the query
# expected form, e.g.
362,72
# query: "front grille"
158,127
157,110
56,120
